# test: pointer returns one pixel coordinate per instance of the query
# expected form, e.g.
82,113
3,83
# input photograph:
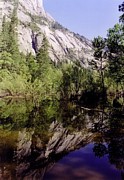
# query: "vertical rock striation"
35,22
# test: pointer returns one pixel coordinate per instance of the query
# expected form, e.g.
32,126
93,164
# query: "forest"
61,120
39,78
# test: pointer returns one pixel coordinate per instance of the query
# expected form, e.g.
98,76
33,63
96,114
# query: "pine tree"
12,46
115,43
121,8
100,55
43,59
32,65
4,36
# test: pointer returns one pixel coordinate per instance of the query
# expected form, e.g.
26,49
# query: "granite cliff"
34,22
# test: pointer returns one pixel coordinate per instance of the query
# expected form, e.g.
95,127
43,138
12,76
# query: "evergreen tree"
100,55
115,42
4,35
12,46
121,8
32,65
42,58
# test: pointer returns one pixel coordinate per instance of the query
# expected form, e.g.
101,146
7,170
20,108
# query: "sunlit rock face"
33,6
34,22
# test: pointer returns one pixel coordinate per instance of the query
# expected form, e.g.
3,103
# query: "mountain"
34,22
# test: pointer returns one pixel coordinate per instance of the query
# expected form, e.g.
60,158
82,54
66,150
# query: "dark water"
60,140
83,164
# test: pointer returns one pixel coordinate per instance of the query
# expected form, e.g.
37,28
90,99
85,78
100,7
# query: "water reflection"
82,164
35,139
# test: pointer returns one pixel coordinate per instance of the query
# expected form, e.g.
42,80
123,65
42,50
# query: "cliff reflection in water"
33,139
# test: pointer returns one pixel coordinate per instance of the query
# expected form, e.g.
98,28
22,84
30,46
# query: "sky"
89,18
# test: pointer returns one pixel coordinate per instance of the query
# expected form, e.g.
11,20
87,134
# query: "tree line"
38,77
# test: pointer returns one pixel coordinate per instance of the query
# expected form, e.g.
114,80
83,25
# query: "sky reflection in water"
82,164
41,142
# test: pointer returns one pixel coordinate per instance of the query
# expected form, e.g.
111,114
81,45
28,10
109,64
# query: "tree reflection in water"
114,138
34,138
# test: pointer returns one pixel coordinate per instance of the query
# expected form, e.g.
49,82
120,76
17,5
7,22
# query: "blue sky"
86,17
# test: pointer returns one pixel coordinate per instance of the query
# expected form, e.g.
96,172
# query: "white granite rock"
34,22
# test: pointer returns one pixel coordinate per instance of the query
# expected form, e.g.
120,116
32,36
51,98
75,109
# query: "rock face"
58,144
34,22
61,140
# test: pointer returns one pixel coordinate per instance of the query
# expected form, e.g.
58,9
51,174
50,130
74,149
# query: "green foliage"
9,36
12,46
43,59
37,77
112,49
75,80
12,84
20,75
121,8
56,25
32,65
115,40
4,35
115,44
99,64
6,61
33,26
14,72
100,53
98,44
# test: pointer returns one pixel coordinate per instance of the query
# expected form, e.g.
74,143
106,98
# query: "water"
83,164
59,140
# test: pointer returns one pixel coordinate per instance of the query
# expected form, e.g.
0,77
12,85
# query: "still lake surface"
60,140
